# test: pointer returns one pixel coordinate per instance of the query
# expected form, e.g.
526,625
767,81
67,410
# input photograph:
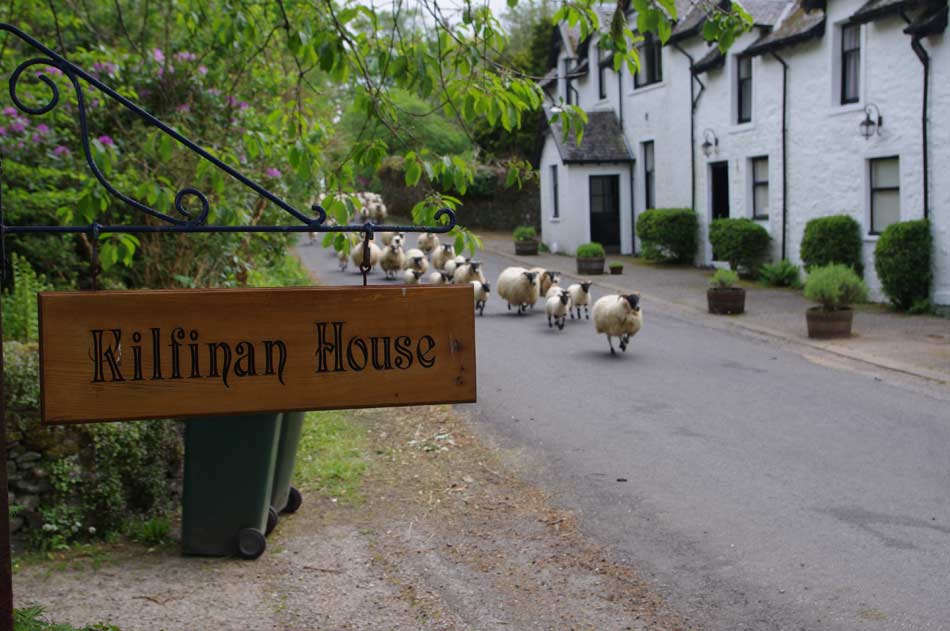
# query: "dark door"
605,211
719,176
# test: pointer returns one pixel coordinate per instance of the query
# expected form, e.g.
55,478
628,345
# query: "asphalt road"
757,487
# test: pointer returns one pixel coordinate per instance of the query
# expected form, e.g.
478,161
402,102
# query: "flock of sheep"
614,315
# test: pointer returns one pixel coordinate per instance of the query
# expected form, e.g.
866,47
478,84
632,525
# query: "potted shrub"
526,241
615,267
590,258
723,296
835,287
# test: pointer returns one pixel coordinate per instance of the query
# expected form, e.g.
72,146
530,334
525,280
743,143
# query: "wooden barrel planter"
526,248
590,265
824,324
726,300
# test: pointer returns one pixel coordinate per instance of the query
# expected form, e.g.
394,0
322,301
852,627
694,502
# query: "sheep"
356,254
416,260
481,295
451,266
412,276
387,237
428,242
441,256
393,259
519,287
342,259
618,316
468,272
580,297
439,277
546,278
557,307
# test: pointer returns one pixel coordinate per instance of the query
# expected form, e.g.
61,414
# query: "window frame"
843,57
743,84
567,81
605,62
649,175
556,214
651,62
872,189
756,183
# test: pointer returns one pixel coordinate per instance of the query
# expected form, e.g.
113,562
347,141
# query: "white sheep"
411,276
356,254
481,295
518,287
443,255
438,277
451,266
580,297
416,260
393,258
387,237
557,306
428,242
467,272
546,278
618,316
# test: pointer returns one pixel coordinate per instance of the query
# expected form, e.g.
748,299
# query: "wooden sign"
109,356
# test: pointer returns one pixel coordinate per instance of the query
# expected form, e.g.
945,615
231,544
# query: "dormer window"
651,62
605,64
743,89
850,63
567,80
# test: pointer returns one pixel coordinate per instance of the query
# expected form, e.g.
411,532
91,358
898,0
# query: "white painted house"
820,109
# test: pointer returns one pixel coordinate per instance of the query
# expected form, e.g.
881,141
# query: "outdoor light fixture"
710,142
871,124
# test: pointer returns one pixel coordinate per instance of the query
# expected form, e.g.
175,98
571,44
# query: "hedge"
741,242
669,234
834,239
902,261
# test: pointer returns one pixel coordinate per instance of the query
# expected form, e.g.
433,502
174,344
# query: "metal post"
6,563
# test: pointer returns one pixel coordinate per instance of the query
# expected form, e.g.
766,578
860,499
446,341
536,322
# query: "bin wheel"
251,543
294,500
271,520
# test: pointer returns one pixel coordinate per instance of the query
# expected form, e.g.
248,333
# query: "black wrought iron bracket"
186,221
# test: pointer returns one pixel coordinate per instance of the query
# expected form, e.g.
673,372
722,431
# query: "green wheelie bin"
229,475
284,497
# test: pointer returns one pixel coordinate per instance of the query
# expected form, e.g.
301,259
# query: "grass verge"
32,619
330,457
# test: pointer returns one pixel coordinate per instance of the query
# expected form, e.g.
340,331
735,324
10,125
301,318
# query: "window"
567,80
850,63
760,188
744,89
649,198
606,63
651,62
885,182
556,212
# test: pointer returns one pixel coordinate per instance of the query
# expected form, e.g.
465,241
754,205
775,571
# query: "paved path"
759,487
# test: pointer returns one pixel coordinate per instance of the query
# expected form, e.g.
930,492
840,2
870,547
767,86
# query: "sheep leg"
560,325
549,321
587,312
609,341
509,306
624,340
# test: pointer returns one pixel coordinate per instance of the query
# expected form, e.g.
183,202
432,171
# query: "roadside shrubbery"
780,274
902,262
669,234
834,239
33,619
741,242
590,250
835,287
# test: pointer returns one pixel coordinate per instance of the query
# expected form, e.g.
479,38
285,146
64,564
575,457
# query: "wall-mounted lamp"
872,123
710,142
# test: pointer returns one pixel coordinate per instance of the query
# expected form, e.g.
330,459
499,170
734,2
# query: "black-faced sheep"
443,255
411,276
393,259
580,297
428,242
467,272
618,316
356,254
546,278
416,260
439,277
519,287
481,295
557,306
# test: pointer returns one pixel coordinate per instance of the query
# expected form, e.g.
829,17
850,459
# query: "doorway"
719,189
605,211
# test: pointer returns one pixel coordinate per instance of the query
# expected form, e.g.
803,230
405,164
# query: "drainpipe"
924,58
694,101
784,154
633,208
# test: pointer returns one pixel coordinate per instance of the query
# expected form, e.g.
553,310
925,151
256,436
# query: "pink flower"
106,141
106,67
203,70
41,128
232,101
185,56
158,55
9,111
37,139
18,126
214,91
184,108
3,131
274,173
50,70
243,105
61,150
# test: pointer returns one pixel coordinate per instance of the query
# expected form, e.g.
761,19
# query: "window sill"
761,218
871,238
850,108
741,128
554,220
650,87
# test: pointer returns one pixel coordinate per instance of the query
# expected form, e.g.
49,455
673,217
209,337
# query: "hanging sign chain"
365,266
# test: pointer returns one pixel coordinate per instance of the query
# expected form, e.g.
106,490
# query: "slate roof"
710,61
874,9
549,78
603,141
930,22
765,12
797,26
